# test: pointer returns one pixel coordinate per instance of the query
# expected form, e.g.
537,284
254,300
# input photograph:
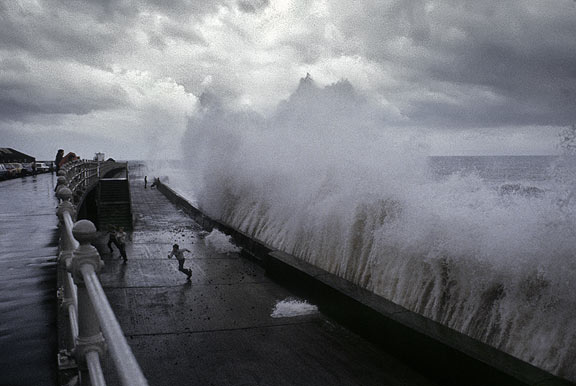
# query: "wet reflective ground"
28,249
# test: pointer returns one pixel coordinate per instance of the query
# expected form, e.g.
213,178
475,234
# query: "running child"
179,253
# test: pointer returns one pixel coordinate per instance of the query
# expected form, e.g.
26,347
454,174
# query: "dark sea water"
28,250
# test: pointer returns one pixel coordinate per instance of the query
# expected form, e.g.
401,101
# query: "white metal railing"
94,329
81,176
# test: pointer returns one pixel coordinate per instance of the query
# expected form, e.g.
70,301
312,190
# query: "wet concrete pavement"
28,250
217,328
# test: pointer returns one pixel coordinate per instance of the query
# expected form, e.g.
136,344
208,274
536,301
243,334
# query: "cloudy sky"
124,76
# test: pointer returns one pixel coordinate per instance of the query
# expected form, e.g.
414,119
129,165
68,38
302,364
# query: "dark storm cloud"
178,32
26,91
252,6
37,39
83,31
522,52
458,64
19,101
181,8
56,30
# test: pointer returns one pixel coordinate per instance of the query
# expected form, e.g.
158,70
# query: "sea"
497,169
482,244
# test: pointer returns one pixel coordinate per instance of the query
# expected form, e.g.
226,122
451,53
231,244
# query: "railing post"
90,338
68,292
67,244
61,181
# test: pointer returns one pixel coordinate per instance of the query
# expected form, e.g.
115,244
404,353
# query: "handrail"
82,175
121,353
93,325
94,369
69,241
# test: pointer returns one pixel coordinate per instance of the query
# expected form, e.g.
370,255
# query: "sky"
125,77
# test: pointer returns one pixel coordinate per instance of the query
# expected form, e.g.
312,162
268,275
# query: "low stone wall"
434,349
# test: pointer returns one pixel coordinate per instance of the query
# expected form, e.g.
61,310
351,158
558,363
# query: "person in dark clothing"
58,159
121,240
145,181
112,238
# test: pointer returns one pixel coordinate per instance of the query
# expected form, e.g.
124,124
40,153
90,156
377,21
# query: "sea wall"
449,356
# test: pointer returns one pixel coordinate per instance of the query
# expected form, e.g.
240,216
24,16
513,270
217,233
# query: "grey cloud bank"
467,73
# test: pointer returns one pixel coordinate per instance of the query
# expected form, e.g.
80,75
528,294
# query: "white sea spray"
328,179
220,242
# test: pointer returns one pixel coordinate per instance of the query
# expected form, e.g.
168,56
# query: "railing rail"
81,176
117,344
94,329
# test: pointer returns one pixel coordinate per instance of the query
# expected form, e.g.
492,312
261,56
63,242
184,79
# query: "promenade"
217,328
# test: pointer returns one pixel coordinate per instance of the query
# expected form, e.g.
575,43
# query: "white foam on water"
289,308
220,242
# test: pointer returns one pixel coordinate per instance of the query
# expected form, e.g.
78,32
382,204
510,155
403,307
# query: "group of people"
155,183
117,237
61,159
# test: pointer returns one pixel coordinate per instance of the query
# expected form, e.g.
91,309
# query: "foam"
220,242
290,308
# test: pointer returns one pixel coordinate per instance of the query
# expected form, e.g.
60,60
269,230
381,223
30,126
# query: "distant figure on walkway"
179,253
58,159
112,238
121,239
145,181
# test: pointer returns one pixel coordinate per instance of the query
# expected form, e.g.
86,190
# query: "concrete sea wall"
451,357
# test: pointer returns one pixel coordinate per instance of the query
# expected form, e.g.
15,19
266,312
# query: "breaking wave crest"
326,179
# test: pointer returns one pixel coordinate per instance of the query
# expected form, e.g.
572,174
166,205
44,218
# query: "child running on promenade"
179,253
